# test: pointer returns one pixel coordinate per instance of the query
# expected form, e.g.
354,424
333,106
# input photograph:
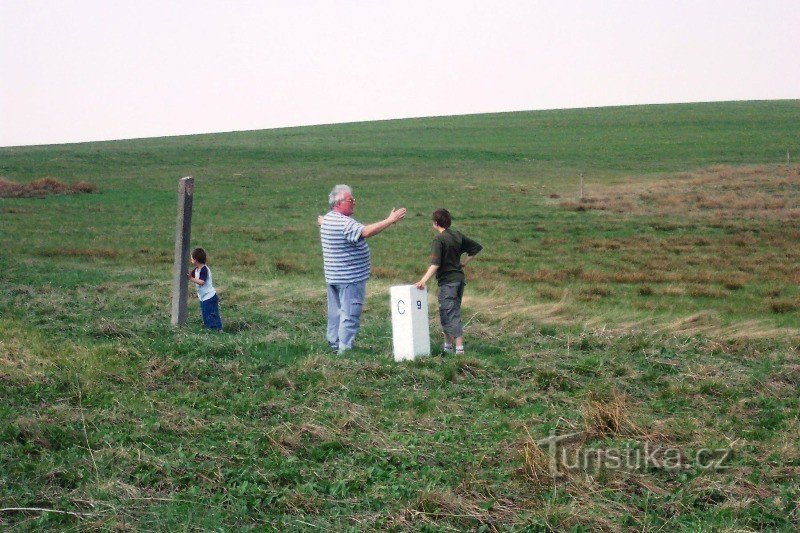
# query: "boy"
209,302
446,250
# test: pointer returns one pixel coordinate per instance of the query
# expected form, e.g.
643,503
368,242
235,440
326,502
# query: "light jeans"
345,302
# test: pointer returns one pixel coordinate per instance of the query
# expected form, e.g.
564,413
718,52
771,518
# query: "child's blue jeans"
210,311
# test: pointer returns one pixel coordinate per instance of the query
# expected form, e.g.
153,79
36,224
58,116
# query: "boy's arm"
201,280
431,271
436,260
470,247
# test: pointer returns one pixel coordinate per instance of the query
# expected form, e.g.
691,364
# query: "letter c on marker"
401,310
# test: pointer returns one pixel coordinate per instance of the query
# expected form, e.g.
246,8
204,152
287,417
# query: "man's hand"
397,215
319,220
420,285
377,227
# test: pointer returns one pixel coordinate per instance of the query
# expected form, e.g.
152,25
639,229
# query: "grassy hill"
661,310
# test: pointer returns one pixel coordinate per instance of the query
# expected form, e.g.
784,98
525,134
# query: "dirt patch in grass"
43,187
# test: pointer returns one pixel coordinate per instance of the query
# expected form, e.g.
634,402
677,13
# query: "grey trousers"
345,302
450,295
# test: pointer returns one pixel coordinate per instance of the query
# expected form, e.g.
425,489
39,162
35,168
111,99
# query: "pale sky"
84,70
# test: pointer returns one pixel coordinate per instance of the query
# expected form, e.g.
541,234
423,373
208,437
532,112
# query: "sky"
86,70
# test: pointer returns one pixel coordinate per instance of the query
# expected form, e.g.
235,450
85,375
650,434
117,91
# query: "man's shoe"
448,348
459,350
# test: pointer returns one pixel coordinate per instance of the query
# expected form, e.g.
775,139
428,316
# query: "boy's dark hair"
442,218
199,255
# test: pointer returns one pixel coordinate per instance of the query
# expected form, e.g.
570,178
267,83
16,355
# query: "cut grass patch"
43,187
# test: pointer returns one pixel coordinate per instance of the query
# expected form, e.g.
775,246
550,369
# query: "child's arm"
471,248
199,281
436,260
467,260
431,271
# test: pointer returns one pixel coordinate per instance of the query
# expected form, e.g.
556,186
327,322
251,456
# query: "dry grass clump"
445,504
549,293
287,266
701,291
733,282
543,274
105,327
380,272
536,465
84,187
19,364
604,418
783,305
87,253
247,259
43,187
723,192
598,290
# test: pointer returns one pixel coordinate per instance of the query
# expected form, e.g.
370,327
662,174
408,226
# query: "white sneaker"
448,348
459,350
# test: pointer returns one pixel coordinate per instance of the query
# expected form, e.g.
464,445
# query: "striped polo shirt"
344,251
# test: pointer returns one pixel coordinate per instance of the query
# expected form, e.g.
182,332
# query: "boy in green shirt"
446,250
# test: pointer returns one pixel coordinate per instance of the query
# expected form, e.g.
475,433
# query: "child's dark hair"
199,255
442,218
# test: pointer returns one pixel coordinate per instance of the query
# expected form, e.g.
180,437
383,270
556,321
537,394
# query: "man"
446,250
347,264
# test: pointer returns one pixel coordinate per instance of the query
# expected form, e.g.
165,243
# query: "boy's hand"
420,285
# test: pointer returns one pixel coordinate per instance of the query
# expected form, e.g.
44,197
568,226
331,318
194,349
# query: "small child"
446,250
209,302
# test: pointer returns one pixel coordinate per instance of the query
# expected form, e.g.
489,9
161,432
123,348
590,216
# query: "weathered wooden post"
183,235
581,186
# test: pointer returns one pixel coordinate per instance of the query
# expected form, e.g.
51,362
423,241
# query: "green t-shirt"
446,250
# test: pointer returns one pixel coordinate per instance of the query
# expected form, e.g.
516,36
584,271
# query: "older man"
347,266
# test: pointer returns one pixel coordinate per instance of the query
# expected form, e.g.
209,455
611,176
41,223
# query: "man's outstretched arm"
373,229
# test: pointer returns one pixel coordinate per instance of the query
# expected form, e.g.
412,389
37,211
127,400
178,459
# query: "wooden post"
581,186
183,235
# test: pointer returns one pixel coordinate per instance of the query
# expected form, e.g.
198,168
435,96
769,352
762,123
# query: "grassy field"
659,311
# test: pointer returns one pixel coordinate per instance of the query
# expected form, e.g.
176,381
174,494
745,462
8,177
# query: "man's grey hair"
337,195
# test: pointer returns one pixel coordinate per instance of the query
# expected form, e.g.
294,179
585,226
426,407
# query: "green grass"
678,298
